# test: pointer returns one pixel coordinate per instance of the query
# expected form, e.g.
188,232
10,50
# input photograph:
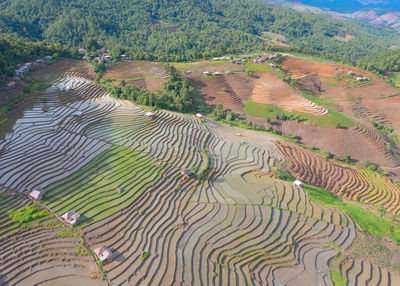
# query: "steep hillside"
187,29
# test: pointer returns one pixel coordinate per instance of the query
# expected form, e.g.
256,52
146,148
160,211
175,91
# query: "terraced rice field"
353,183
121,171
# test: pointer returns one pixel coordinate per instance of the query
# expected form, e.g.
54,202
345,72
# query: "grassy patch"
338,279
209,76
332,84
67,233
272,111
368,222
28,214
145,255
258,67
333,119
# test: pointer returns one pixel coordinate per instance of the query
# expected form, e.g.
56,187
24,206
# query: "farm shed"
298,183
103,253
150,115
36,194
71,217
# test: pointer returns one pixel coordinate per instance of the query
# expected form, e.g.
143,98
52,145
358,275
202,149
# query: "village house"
216,74
350,73
206,73
272,65
36,194
103,253
199,115
11,84
71,217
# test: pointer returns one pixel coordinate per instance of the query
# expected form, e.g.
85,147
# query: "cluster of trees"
184,30
176,93
15,50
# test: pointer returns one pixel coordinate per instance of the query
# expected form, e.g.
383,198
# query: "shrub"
27,214
27,89
283,174
145,255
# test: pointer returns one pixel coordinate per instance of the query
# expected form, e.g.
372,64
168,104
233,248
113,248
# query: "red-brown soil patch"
144,75
337,141
270,89
134,69
232,91
301,67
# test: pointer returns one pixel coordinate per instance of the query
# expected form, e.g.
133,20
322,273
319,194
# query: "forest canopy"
178,30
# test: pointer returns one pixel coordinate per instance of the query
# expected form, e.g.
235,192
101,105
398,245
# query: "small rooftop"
71,217
103,253
298,183
36,194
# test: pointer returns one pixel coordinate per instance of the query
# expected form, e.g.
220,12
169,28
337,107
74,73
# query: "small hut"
103,253
150,115
71,217
298,183
36,194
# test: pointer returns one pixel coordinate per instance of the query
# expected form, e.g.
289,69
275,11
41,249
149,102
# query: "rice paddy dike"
232,222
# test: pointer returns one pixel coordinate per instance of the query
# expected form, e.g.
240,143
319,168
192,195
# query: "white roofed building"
71,217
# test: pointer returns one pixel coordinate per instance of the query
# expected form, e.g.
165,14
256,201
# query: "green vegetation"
145,255
176,93
67,233
385,130
35,84
219,113
282,174
27,214
338,279
14,50
92,188
200,29
257,67
333,119
368,222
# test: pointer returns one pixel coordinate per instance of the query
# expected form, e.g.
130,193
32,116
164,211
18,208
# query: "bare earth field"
270,89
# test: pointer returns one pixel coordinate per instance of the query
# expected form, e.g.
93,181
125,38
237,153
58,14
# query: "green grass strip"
368,222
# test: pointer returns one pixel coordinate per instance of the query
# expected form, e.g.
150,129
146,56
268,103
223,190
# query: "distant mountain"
376,12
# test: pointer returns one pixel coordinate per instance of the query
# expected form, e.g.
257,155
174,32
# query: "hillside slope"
187,29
